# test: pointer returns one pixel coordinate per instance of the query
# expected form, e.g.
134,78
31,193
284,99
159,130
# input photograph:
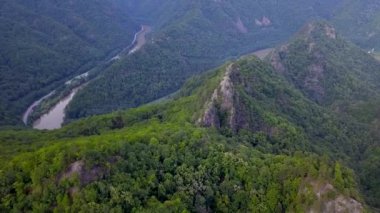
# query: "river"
140,39
30,109
55,117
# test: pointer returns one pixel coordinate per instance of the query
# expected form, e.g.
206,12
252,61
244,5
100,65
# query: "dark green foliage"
194,36
44,43
342,78
364,22
158,157
190,37
330,71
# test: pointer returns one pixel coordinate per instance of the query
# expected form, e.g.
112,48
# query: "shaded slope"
326,68
195,37
359,20
344,80
44,43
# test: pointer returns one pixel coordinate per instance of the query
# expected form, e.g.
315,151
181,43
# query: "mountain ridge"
169,131
294,132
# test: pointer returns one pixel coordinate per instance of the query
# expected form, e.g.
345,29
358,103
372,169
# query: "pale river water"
56,116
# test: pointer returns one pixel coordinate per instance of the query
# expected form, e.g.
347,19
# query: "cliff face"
221,109
328,199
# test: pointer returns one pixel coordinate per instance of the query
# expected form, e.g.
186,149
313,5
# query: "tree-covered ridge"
191,37
68,38
45,43
364,19
160,157
326,68
341,77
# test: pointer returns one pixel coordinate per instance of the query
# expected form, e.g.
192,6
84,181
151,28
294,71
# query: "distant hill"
190,37
328,69
359,21
44,43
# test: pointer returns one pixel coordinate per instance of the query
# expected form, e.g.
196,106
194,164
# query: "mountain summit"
325,67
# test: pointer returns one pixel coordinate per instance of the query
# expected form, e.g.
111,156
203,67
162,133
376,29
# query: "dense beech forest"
192,121
159,157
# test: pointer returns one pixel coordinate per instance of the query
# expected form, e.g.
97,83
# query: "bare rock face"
221,110
327,30
330,32
86,175
343,204
240,26
275,59
263,22
328,200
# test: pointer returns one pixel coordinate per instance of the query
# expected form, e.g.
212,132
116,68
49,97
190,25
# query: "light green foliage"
156,158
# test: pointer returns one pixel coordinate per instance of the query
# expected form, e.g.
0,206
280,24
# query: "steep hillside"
359,20
190,37
44,43
168,157
343,78
328,69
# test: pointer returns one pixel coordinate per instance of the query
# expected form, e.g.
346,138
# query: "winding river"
55,117
30,109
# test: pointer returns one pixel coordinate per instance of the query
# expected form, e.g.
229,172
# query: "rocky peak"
220,110
314,29
328,199
323,66
263,22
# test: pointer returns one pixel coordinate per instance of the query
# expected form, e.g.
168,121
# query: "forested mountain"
245,137
340,77
359,20
44,43
69,38
196,123
328,69
190,37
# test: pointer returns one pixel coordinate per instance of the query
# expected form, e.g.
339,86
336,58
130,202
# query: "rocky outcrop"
276,60
319,27
263,22
307,48
240,26
329,200
221,109
85,175
313,81
343,204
